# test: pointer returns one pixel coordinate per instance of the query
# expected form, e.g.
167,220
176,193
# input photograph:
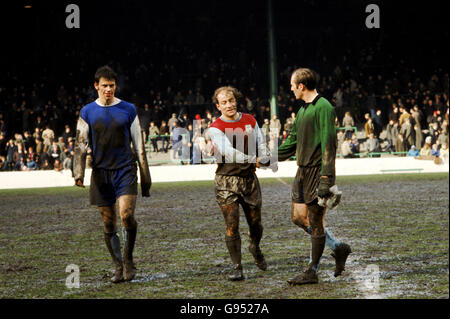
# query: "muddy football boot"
258,256
236,274
118,274
340,254
129,270
308,276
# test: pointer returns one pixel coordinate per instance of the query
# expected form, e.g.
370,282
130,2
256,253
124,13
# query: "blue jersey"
109,133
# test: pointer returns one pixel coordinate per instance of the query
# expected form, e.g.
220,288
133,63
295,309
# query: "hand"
145,190
260,165
324,187
274,167
79,183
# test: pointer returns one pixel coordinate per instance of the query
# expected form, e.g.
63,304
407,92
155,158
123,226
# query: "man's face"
106,89
227,104
297,89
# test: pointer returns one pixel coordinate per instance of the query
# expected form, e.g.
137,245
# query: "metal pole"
272,61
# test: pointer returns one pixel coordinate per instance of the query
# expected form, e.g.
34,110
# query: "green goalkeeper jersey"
313,137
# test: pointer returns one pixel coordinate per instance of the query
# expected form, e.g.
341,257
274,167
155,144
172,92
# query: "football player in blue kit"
109,126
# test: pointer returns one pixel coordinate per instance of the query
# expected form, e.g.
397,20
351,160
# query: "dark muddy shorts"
229,189
108,185
304,187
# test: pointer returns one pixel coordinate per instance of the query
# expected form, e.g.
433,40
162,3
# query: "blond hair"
236,93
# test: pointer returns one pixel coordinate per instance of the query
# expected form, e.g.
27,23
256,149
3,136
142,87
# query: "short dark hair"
307,77
105,72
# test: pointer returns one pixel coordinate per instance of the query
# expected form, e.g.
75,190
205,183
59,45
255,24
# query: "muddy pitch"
397,226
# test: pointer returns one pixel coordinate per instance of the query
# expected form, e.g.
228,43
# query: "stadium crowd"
170,77
404,116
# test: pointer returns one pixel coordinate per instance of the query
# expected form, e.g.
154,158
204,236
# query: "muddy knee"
128,220
253,216
109,219
231,215
299,216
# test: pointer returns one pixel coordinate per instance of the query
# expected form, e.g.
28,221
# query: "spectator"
61,144
28,140
288,126
346,148
377,123
426,149
418,134
57,165
31,155
54,153
435,150
404,115
48,136
199,99
164,132
176,141
417,115
275,128
407,132
413,151
66,158
348,121
400,145
354,144
39,146
443,152
67,134
37,133
442,137
171,122
11,150
372,144
145,119
391,135
368,126
154,136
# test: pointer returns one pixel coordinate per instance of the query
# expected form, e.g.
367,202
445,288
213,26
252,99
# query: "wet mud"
397,228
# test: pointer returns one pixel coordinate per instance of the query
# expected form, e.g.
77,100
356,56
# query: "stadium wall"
179,173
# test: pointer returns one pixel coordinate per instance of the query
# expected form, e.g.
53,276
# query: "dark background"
157,44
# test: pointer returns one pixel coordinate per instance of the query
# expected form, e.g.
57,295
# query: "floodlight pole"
272,61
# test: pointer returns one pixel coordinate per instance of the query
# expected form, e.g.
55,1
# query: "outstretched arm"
81,146
137,139
223,145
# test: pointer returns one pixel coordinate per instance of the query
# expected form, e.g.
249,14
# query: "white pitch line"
283,182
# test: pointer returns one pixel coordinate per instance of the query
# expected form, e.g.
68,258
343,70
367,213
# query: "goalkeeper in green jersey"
313,141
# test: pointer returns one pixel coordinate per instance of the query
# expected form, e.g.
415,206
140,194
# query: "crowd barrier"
184,173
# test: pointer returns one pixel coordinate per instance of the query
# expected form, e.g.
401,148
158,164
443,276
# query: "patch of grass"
398,223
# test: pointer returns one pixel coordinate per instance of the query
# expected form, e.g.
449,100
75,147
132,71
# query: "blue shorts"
109,184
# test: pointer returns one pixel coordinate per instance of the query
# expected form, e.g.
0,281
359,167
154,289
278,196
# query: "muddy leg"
232,238
112,241
127,204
